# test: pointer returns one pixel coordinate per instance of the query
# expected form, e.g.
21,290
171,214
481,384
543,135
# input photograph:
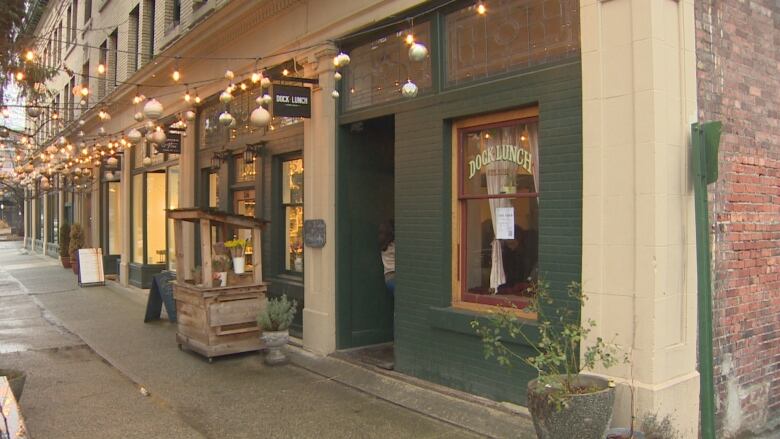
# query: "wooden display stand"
216,321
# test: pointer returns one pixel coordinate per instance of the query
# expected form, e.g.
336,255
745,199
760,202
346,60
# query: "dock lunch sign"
507,153
291,101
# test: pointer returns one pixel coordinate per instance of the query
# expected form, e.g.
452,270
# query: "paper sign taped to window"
505,223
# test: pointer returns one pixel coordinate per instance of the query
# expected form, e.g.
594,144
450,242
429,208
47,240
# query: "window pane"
114,218
155,217
173,203
293,220
502,266
500,160
379,69
292,182
138,218
244,171
513,35
213,190
245,205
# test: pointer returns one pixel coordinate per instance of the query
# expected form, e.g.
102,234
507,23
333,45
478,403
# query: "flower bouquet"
237,248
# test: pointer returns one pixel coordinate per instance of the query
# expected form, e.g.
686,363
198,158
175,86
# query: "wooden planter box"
218,321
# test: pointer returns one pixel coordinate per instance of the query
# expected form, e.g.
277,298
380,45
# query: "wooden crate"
218,321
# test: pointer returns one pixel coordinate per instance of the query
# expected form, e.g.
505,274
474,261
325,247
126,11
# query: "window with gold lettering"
498,208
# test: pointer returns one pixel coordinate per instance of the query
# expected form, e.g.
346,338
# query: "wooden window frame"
492,303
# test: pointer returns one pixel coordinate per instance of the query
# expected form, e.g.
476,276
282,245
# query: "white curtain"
533,143
500,173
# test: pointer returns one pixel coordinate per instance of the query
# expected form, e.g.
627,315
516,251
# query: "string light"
255,77
29,56
19,76
481,9
409,38
101,68
187,96
176,75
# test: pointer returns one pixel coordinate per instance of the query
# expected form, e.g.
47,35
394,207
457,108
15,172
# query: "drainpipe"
706,138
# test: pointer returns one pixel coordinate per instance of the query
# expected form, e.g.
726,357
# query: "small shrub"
655,427
76,239
65,240
278,314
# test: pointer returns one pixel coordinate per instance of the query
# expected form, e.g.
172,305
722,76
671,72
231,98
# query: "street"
95,370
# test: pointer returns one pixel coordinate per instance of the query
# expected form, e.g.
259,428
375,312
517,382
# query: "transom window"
497,205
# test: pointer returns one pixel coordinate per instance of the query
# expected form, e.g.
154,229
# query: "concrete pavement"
88,355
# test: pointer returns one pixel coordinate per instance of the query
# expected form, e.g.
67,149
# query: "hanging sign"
505,223
172,143
291,101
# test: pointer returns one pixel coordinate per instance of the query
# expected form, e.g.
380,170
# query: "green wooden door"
366,199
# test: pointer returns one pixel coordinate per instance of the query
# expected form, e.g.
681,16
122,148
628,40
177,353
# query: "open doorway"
366,185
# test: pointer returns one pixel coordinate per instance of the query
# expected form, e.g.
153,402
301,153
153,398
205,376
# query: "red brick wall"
738,61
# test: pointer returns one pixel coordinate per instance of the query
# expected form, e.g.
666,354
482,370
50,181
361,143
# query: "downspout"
705,137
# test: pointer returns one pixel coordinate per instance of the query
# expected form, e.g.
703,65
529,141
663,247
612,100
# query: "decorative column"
94,210
60,204
638,260
44,224
27,217
319,159
33,221
126,214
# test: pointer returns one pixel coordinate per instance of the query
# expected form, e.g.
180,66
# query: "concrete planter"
275,341
16,379
65,261
585,416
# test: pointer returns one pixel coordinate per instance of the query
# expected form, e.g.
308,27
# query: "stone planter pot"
65,261
586,416
275,341
16,379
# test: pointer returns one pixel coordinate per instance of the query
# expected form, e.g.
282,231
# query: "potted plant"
275,322
564,402
65,245
219,266
76,243
237,248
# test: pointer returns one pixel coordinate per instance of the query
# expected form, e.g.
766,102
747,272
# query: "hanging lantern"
77,170
158,136
112,162
409,90
225,97
265,82
250,153
417,52
51,149
189,115
267,99
260,117
226,118
334,94
341,60
28,168
109,175
229,75
138,116
147,161
337,76
102,131
153,109
134,136
34,112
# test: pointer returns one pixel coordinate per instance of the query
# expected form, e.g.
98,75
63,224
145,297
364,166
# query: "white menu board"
91,267
505,223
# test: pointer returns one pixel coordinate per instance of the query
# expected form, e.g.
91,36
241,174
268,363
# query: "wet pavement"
95,370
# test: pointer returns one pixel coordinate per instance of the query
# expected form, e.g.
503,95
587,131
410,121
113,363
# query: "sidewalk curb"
469,412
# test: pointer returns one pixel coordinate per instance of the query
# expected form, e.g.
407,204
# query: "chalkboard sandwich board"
91,267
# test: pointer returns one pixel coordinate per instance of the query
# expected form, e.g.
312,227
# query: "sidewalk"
86,381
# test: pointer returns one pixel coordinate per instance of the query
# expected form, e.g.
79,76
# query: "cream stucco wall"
639,99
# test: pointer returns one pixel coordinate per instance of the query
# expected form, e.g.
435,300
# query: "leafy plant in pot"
563,401
76,243
65,245
275,323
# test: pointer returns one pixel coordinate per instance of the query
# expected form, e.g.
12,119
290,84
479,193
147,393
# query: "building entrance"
366,188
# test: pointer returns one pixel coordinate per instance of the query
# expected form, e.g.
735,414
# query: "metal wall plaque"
314,233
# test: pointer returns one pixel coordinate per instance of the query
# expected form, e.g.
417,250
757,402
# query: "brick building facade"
738,83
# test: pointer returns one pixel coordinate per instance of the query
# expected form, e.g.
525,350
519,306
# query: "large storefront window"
514,35
138,218
173,203
114,217
292,205
498,203
155,217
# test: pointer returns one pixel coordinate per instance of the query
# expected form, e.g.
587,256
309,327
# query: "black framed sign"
291,101
172,143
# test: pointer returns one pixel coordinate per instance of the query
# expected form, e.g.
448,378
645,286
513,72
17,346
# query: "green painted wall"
433,341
